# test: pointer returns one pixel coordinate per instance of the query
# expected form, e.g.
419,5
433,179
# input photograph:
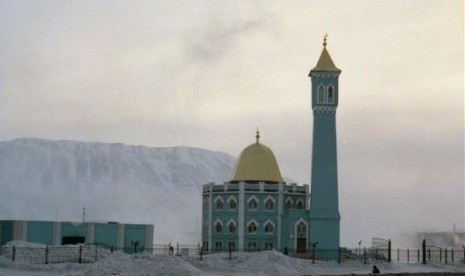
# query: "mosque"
257,210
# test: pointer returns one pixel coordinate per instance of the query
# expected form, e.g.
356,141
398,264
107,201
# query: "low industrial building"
54,233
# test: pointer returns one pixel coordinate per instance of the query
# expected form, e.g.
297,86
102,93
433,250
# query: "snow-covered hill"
53,180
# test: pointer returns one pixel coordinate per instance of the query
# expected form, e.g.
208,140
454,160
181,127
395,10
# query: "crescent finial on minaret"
324,39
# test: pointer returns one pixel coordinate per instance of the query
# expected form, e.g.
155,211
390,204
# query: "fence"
372,255
89,253
54,254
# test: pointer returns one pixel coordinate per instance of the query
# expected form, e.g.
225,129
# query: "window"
232,227
321,95
219,204
269,205
232,204
253,204
269,228
252,227
330,95
268,245
219,227
218,246
252,246
301,229
288,204
300,204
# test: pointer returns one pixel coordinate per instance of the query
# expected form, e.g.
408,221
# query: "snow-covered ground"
263,263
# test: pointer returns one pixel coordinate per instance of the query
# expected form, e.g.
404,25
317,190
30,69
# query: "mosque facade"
257,210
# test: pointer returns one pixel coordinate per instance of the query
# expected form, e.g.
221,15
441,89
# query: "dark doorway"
73,240
301,238
301,245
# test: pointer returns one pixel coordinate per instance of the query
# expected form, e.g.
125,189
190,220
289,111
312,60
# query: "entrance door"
301,238
73,240
301,245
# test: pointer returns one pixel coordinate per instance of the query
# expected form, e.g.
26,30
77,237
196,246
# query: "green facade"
278,210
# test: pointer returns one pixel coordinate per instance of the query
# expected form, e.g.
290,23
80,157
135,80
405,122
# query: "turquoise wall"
73,229
261,215
324,208
40,232
134,232
6,228
107,234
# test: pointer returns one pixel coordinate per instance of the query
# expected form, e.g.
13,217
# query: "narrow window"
218,246
219,227
269,228
253,204
301,228
330,95
232,204
252,228
288,204
269,205
252,246
321,95
232,228
300,204
219,204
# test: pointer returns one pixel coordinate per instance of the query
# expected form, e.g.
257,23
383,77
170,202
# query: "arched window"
269,228
269,204
219,204
300,204
252,227
330,95
253,204
232,204
288,204
301,228
219,227
321,94
232,228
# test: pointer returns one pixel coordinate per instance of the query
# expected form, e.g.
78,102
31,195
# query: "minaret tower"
324,206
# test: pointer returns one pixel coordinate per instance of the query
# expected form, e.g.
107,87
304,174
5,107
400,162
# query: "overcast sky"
207,73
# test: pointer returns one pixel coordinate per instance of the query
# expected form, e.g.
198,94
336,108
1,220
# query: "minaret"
324,206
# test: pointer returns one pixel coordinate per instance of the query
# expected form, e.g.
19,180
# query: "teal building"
257,210
54,233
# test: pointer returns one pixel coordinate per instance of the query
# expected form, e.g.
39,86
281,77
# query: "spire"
257,136
325,63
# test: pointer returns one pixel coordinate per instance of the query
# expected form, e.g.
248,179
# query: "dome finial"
258,136
324,40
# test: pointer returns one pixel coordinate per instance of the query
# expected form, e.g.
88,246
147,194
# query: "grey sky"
169,73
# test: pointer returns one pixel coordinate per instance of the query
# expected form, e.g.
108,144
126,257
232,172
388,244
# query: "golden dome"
256,163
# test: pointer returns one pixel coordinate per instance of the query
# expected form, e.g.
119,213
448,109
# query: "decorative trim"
324,109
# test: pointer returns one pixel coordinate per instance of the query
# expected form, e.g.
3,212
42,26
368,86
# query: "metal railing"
88,253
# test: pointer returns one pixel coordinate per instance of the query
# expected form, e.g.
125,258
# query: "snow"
115,182
262,263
